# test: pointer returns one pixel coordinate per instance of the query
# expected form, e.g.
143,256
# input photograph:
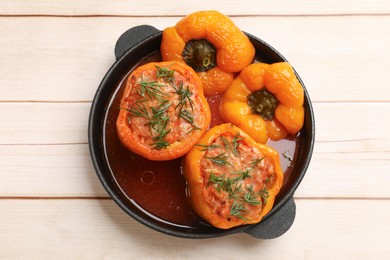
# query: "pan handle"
132,37
277,224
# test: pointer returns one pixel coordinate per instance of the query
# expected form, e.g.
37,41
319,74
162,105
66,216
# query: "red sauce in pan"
159,187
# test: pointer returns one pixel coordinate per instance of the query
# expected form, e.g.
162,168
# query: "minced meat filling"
236,177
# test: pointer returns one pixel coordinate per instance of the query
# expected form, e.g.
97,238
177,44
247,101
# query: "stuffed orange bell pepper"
266,101
212,45
232,180
163,111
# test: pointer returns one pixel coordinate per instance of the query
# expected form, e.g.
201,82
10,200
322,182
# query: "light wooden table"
53,55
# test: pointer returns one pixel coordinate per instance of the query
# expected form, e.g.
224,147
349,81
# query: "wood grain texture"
54,55
181,8
350,125
99,229
66,171
61,59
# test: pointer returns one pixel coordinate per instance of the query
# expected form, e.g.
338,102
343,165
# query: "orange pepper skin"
138,137
291,117
215,80
235,109
196,182
173,45
280,80
275,129
234,51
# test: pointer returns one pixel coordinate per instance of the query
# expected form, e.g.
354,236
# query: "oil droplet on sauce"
147,177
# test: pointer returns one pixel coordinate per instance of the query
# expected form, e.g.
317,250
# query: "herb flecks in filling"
220,159
157,93
185,105
166,74
151,89
207,147
158,123
236,183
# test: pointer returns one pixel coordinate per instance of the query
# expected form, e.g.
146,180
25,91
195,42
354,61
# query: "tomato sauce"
159,186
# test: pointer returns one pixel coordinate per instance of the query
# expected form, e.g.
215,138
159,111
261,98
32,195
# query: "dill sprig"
238,209
138,111
234,189
251,198
153,89
160,143
242,174
225,143
165,74
217,180
263,193
158,122
232,146
256,162
184,96
220,159
235,144
185,101
186,115
207,147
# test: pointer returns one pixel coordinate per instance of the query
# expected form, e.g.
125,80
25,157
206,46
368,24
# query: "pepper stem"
263,103
200,55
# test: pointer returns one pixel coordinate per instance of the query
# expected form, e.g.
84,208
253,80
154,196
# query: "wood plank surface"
95,229
181,8
66,171
54,55
62,59
352,125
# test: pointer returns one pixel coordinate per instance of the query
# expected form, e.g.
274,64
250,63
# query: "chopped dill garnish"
160,144
158,123
138,111
215,179
220,159
235,144
165,74
226,143
207,147
185,101
218,180
186,116
264,195
288,156
151,88
256,162
251,198
238,210
234,189
184,96
243,174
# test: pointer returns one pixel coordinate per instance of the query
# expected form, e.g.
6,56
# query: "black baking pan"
131,47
